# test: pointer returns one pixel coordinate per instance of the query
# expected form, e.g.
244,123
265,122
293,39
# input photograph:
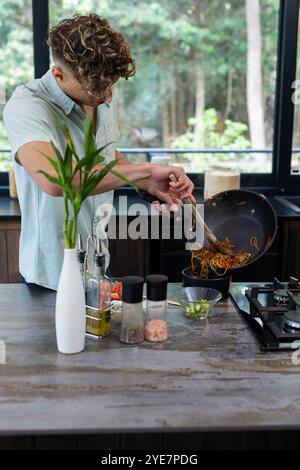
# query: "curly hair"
95,53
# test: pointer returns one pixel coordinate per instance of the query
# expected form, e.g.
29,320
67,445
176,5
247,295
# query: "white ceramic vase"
70,319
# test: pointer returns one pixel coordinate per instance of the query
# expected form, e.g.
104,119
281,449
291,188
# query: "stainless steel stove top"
272,312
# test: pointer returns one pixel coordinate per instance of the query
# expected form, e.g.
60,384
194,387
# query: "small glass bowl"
197,301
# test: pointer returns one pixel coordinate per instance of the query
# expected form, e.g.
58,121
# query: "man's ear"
58,72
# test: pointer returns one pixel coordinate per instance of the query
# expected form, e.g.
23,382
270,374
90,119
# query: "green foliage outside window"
174,43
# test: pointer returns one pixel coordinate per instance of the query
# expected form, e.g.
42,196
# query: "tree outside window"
16,57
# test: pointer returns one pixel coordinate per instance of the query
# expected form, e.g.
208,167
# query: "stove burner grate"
292,320
277,308
280,297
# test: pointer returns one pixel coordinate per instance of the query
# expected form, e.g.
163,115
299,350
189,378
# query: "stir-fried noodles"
208,259
253,243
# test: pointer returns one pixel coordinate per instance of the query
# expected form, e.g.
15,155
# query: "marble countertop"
207,376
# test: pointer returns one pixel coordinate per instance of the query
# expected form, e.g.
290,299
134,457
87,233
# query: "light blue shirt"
28,117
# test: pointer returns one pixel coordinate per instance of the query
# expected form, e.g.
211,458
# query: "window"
295,163
206,74
16,58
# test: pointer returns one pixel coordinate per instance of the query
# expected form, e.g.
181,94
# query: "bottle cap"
81,256
99,259
132,289
157,287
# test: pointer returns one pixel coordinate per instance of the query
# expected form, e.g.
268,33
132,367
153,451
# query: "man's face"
75,89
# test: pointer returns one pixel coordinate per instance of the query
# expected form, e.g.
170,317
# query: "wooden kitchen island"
209,386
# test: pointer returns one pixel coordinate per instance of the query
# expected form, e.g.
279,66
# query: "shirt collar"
63,100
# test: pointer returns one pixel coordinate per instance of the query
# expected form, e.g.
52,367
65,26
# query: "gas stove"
272,311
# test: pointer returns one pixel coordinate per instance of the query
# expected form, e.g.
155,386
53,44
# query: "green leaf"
89,140
58,119
69,141
93,181
57,152
124,179
55,164
68,162
99,159
51,178
92,173
100,149
94,156
69,191
60,162
82,163
70,230
77,204
52,162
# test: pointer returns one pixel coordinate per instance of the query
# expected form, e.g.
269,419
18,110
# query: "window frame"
40,25
284,107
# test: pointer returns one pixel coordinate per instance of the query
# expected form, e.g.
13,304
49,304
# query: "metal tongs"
209,234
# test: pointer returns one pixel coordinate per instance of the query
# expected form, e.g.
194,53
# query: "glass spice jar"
156,316
132,322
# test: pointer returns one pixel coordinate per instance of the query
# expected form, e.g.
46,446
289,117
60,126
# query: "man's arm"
32,158
153,178
121,158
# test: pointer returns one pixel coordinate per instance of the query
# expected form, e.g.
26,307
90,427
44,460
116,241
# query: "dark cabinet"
290,249
9,251
143,256
127,256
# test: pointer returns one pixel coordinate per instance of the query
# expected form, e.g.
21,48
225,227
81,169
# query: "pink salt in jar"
156,329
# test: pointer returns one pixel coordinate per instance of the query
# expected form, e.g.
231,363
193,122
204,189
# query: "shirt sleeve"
26,120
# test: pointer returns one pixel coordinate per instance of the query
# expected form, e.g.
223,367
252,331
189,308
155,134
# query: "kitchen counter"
209,376
9,209
282,211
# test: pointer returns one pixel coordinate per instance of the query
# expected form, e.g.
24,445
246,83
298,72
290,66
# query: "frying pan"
240,215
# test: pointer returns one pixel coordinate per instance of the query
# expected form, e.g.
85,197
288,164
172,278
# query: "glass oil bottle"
81,253
98,299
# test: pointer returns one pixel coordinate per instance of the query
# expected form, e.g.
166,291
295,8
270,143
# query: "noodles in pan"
208,259
253,243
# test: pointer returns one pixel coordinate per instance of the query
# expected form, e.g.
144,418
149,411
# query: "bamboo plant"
89,176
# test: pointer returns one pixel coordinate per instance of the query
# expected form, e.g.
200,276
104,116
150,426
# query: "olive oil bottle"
98,300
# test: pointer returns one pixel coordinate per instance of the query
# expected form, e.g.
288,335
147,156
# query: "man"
89,57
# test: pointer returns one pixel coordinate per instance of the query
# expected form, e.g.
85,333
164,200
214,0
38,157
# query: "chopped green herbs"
197,309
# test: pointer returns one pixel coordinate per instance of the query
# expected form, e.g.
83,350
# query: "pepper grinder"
132,323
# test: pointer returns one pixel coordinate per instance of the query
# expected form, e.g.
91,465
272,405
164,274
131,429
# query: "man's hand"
159,185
